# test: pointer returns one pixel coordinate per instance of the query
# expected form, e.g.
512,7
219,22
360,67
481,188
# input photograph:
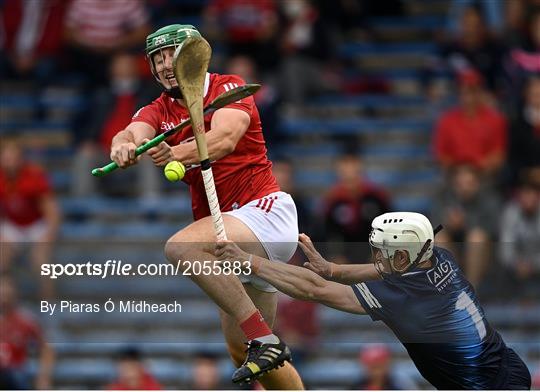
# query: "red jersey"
470,139
240,177
20,197
18,331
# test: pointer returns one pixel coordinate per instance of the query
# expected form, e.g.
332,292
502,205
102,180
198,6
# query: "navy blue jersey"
436,316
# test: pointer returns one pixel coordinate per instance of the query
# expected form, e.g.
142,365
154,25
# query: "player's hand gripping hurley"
190,63
222,100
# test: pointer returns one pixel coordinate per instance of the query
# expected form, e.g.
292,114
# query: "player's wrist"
254,263
331,270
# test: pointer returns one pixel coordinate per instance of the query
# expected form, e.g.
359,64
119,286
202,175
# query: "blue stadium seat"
371,100
302,126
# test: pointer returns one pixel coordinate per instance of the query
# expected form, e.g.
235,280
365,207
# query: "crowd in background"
487,145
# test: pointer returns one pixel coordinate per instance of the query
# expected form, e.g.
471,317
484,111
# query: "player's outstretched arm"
345,274
226,129
294,281
126,141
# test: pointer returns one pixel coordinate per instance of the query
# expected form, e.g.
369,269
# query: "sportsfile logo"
441,275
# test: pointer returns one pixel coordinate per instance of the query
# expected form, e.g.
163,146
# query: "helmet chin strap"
173,92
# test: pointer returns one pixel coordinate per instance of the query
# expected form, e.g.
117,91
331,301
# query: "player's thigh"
200,237
266,303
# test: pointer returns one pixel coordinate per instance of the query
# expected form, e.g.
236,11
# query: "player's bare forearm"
306,285
294,281
218,147
227,128
122,137
355,273
135,133
345,274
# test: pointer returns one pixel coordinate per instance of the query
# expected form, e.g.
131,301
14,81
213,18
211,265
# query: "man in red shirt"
28,209
132,374
472,133
18,333
257,213
349,207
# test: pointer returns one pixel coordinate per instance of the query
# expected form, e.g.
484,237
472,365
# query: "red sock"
254,326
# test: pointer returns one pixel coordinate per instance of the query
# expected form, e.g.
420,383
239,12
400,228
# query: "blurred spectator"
351,17
283,170
19,334
97,29
472,133
523,58
525,131
474,49
350,206
468,214
306,48
31,37
131,373
519,239
246,27
206,374
515,23
267,98
29,213
298,323
492,12
376,361
110,111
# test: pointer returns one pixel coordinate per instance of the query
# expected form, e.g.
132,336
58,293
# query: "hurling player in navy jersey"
417,290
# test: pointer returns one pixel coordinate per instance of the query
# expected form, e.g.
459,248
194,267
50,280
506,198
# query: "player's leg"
273,222
286,377
197,242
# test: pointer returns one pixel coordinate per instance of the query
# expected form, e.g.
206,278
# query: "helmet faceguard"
171,36
399,241
387,263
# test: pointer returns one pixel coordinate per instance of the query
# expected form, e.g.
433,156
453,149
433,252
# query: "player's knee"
175,250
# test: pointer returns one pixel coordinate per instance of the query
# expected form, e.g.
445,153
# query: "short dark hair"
129,353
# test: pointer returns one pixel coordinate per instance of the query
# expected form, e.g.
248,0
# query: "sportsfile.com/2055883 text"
120,268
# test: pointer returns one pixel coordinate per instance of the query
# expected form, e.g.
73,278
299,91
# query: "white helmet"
408,231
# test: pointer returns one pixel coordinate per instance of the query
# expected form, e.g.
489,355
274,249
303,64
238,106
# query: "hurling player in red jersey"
256,212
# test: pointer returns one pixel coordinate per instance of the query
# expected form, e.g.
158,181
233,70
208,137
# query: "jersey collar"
206,86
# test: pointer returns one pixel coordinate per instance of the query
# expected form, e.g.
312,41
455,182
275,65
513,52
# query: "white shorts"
10,232
274,222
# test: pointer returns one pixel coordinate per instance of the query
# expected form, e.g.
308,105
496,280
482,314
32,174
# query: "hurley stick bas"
190,63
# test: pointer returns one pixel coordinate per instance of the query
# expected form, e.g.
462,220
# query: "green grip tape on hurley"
101,171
